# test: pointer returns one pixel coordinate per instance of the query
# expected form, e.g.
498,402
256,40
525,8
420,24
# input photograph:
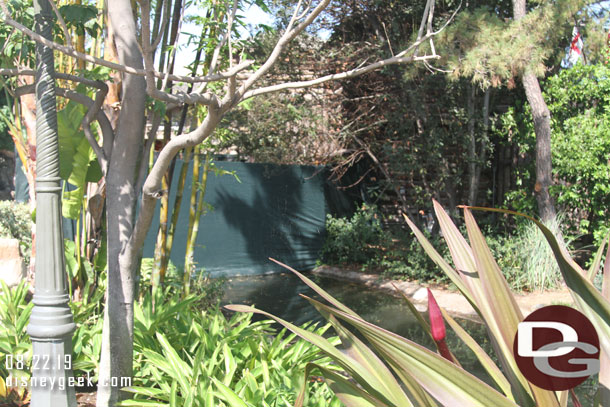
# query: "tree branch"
17,72
158,35
94,112
225,38
398,59
152,186
288,36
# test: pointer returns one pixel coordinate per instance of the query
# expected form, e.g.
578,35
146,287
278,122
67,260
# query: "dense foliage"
578,99
185,355
365,242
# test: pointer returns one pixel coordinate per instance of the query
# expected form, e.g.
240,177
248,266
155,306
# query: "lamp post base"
52,383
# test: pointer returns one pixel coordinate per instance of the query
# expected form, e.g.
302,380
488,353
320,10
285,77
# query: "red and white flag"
575,52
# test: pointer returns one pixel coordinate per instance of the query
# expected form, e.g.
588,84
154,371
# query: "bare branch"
429,16
449,20
422,25
305,11
86,101
295,16
64,27
94,112
288,36
398,59
429,29
387,37
7,41
17,72
158,35
24,90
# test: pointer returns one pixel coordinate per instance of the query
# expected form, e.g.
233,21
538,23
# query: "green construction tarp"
276,211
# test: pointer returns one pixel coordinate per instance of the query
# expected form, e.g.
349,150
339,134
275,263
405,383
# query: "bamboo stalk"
192,211
161,247
175,213
80,43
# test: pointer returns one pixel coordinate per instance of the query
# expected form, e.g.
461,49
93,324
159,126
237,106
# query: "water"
278,294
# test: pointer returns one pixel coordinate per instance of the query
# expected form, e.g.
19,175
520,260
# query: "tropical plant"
424,378
185,355
14,315
189,357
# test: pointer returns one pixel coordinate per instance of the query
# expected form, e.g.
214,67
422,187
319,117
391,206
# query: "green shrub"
354,240
16,223
407,260
523,255
361,240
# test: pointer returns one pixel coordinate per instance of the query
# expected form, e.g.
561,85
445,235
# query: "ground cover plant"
187,353
404,373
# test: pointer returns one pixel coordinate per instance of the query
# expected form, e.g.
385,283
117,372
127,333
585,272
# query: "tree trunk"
542,126
117,339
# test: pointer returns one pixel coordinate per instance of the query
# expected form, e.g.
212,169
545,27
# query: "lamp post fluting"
51,324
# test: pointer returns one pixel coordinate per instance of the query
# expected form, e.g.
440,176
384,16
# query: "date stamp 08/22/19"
39,362
43,368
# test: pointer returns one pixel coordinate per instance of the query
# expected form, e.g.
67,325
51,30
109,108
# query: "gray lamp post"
51,324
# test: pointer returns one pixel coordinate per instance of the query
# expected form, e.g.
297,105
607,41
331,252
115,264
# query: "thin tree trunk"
117,338
542,126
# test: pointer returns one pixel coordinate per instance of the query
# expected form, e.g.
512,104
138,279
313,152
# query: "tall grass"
540,269
526,259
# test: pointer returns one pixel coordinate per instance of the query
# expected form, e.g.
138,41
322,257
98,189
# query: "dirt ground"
452,301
